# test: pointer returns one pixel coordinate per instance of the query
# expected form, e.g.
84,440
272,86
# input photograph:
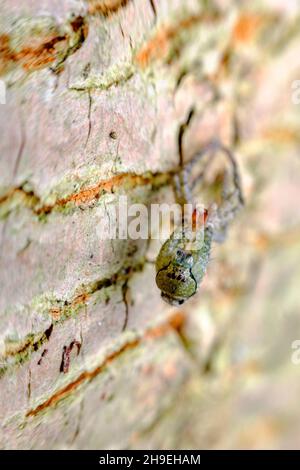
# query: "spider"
180,269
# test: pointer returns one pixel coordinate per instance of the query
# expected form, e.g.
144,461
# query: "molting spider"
181,267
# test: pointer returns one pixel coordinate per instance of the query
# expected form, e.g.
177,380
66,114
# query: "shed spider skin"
180,269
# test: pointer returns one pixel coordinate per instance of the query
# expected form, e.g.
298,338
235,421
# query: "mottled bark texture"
91,357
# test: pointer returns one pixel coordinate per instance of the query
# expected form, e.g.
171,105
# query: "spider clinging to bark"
183,259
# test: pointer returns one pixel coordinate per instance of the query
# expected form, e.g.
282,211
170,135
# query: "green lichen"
27,29
114,76
19,351
74,182
18,198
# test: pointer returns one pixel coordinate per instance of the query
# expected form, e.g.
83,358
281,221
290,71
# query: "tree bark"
91,357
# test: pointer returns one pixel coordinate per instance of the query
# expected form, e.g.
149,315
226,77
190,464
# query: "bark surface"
90,356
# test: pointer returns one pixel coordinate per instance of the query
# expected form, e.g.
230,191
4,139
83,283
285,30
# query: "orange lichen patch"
87,376
57,312
246,27
5,47
126,180
123,181
6,55
39,50
80,299
159,46
105,7
38,53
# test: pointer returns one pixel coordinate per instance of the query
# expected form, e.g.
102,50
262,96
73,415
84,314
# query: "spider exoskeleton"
183,259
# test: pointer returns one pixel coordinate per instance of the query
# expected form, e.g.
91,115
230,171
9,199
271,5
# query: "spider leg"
213,147
181,186
201,175
210,149
233,198
235,173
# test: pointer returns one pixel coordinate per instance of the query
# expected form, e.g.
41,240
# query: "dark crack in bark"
17,353
153,8
175,322
89,117
125,290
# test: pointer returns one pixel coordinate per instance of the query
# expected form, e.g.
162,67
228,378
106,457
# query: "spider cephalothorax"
180,270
